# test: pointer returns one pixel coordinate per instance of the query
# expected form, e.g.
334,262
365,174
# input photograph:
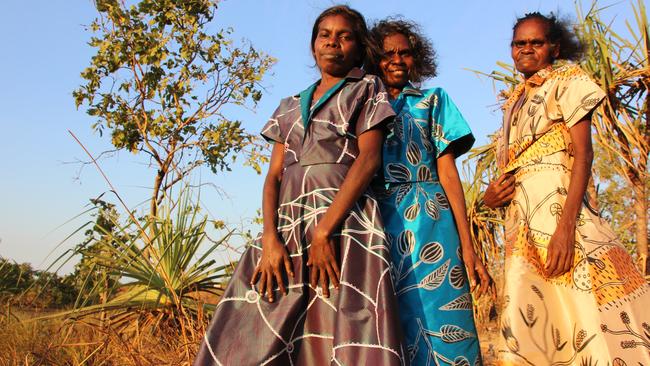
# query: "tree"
158,83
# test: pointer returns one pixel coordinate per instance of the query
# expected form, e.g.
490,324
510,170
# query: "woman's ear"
556,51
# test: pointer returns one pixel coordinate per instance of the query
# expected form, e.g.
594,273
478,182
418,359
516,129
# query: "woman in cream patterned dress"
572,294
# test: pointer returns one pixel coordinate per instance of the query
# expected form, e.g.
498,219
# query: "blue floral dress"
433,292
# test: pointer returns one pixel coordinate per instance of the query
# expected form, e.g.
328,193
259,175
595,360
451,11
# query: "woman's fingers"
269,286
502,178
313,276
559,267
500,191
255,276
485,279
335,268
278,278
324,282
261,286
471,276
568,263
566,260
332,275
551,260
288,266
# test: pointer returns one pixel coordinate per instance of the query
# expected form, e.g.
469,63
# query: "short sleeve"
449,130
375,109
271,130
576,96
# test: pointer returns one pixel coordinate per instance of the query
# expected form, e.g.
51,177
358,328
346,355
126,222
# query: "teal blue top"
427,125
307,95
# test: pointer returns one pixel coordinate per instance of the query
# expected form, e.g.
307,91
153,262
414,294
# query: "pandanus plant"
164,273
621,66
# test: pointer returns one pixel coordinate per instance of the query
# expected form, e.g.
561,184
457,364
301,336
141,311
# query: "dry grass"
58,342
85,342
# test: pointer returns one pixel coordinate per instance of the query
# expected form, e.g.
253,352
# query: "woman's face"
397,62
336,49
531,50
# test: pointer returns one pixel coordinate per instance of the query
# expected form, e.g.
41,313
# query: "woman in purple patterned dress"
322,263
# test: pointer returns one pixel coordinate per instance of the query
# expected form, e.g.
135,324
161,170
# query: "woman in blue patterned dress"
423,205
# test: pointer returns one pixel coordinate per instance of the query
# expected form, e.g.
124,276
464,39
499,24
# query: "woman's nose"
332,41
396,58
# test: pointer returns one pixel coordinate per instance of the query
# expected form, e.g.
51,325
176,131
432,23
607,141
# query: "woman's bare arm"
561,248
450,181
274,254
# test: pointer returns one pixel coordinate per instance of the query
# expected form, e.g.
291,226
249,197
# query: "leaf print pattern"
432,209
412,212
402,191
428,146
398,128
461,361
436,131
424,174
424,104
435,278
413,154
442,201
452,333
406,242
431,252
463,302
424,136
398,172
457,277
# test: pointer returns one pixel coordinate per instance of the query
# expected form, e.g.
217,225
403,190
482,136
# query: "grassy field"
30,342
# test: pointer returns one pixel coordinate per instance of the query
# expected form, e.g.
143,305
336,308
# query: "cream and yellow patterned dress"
599,312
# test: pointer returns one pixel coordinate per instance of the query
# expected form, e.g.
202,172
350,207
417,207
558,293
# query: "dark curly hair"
368,49
424,55
558,32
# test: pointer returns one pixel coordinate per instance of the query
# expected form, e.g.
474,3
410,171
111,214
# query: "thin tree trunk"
153,209
156,191
641,205
641,227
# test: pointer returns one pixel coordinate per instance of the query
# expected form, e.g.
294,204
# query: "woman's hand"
500,192
322,263
561,250
274,258
561,247
476,270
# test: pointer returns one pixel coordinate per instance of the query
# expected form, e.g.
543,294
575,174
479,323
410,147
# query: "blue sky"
45,48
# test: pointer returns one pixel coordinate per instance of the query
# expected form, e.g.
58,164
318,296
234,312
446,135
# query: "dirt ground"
487,335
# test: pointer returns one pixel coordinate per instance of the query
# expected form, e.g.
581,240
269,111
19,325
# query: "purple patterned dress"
358,324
